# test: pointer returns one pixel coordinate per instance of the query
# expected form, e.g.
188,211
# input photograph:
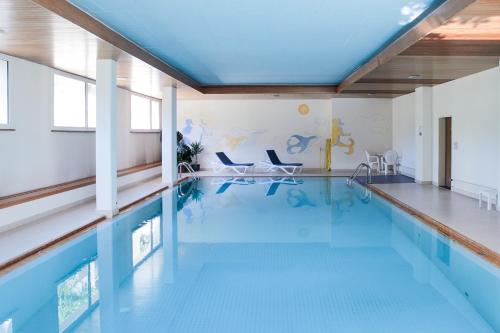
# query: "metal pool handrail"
358,170
189,168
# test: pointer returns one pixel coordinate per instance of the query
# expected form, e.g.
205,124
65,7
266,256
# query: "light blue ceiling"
261,41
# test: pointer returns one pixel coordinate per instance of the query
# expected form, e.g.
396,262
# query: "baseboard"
407,171
423,182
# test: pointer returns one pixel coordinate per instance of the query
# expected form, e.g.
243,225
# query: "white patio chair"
373,161
390,160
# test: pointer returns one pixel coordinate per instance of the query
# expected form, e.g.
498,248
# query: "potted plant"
196,149
184,153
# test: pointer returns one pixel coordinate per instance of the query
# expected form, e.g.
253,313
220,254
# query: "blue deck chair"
226,163
275,163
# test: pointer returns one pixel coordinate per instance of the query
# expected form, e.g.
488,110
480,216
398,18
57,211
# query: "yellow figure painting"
234,141
338,134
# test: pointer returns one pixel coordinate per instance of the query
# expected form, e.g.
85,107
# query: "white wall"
33,156
244,129
403,133
473,104
369,121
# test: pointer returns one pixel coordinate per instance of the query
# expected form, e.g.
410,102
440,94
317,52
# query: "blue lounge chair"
226,163
275,163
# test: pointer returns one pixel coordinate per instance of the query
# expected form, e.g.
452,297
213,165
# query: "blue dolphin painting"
297,143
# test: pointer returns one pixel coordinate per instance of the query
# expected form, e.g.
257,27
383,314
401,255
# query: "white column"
423,121
169,135
108,278
169,230
497,201
105,139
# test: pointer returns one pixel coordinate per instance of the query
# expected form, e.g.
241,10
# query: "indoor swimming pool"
256,255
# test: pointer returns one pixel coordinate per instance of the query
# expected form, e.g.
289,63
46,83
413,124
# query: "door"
447,152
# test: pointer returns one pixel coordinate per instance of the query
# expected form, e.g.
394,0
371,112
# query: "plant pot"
196,167
183,169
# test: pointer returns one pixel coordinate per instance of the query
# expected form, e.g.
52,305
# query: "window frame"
151,100
85,80
9,126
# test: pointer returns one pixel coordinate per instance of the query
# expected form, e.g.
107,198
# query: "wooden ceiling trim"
479,48
269,89
438,17
80,18
403,81
377,92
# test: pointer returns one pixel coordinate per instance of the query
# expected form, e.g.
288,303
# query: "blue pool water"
256,255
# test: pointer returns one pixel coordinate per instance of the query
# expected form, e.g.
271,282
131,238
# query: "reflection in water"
77,294
261,265
226,183
298,198
276,182
145,239
342,205
6,326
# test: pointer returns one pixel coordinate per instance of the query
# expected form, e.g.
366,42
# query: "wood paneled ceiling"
469,42
34,33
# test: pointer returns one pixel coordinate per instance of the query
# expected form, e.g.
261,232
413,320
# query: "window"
144,113
4,103
145,239
74,103
77,294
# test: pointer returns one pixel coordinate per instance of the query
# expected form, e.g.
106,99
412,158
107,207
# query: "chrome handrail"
189,168
358,170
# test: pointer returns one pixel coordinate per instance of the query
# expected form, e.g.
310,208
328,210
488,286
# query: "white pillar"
108,277
169,135
105,139
423,121
497,202
169,230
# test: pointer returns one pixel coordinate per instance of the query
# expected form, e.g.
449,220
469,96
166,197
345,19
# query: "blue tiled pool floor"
315,256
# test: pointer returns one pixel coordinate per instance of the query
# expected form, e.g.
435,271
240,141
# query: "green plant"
196,149
184,153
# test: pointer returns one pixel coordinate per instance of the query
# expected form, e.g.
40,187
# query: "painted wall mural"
303,109
297,144
246,128
192,132
338,134
234,141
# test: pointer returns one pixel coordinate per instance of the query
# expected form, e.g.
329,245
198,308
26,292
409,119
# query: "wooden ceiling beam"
73,14
438,17
269,89
473,48
377,92
403,81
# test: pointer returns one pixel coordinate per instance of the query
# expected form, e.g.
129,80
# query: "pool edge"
32,254
481,250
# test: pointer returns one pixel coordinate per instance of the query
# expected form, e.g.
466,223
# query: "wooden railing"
19,198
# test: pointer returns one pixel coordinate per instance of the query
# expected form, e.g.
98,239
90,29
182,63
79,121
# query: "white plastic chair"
372,161
390,159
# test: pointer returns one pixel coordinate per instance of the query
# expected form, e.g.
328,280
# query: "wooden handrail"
19,198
